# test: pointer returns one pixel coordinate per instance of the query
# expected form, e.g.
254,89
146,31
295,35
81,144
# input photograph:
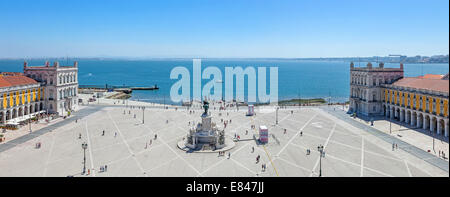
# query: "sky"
223,28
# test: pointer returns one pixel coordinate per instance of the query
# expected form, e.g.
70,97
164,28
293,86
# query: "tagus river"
296,78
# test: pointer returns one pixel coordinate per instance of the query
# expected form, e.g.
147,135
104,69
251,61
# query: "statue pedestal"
206,123
206,137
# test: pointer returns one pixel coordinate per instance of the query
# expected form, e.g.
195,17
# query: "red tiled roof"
17,80
431,76
10,73
423,83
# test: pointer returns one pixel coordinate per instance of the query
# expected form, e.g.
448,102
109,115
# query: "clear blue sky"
225,28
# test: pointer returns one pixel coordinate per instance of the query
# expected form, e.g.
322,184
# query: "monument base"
205,148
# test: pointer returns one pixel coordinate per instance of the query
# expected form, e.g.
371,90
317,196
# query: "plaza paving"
350,151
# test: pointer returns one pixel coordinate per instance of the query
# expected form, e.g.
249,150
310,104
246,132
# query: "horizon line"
192,57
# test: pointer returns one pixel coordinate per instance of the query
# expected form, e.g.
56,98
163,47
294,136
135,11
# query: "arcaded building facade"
21,98
39,89
60,84
420,101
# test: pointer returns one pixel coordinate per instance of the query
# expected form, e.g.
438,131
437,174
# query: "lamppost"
390,124
277,116
84,146
320,149
433,141
30,122
143,108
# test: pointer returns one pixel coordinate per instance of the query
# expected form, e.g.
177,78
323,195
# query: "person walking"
103,134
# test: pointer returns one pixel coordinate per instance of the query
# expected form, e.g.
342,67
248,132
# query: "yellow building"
20,98
423,102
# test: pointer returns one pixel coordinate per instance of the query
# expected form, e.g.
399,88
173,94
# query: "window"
50,94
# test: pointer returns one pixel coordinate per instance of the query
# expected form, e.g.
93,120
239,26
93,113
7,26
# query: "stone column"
431,124
446,127
4,117
418,121
425,123
391,113
413,120
402,116
407,117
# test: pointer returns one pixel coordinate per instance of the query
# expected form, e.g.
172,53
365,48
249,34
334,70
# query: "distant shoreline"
442,59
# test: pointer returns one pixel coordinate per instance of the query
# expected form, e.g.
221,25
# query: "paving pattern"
125,148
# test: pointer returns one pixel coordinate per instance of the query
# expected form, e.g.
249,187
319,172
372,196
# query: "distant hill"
389,59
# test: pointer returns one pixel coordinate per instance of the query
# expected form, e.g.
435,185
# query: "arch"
20,111
419,120
408,116
413,118
426,122
397,114
14,113
26,110
8,115
31,108
433,124
2,116
41,106
36,107
441,126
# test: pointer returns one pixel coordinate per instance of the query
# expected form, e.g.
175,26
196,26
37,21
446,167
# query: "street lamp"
30,122
84,146
320,149
390,124
143,108
277,116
